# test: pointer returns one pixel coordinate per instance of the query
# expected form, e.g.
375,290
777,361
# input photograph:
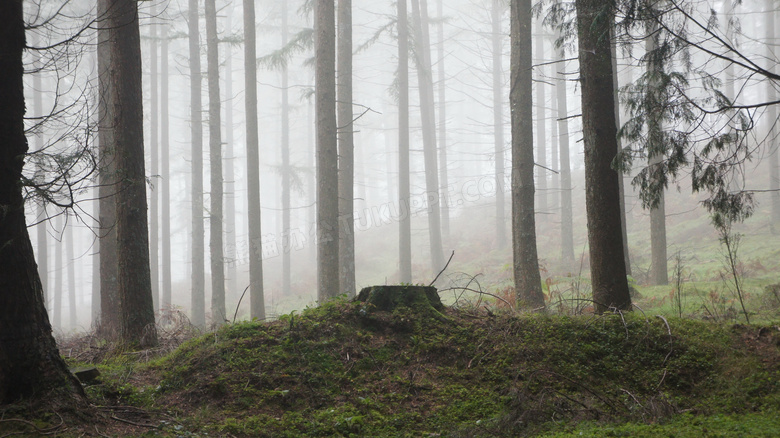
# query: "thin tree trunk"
443,170
286,177
218,313
95,309
165,173
346,172
771,116
257,300
498,120
602,194
198,247
567,228
109,265
132,231
56,306
541,122
615,88
554,194
42,253
30,365
528,282
405,224
71,260
154,149
428,114
230,174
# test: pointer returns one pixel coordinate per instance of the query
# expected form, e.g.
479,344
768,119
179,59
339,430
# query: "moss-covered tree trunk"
387,298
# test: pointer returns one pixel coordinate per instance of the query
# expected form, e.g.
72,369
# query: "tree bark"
498,120
567,227
404,195
428,114
346,171
231,285
602,194
30,365
71,261
528,282
327,153
541,123
257,300
132,230
56,306
615,88
218,313
198,247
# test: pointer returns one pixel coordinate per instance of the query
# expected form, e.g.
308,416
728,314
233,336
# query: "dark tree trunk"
327,153
198,247
257,300
218,313
567,227
607,265
528,282
132,230
30,365
346,170
405,224
428,114
109,266
498,120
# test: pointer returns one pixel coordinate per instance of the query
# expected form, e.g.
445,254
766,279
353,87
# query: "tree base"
420,299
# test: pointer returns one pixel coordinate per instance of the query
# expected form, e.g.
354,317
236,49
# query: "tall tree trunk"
528,282
541,122
554,194
257,300
165,173
71,260
230,174
428,114
95,309
56,306
327,153
198,247
346,172
771,116
442,88
286,176
658,265
602,193
42,253
154,149
218,313
567,227
30,365
404,195
109,265
615,89
498,120
132,230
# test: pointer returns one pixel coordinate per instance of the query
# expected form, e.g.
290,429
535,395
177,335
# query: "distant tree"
567,227
30,365
154,162
441,83
405,224
257,300
165,172
327,152
541,122
126,115
497,9
602,195
286,168
346,150
198,247
771,117
528,282
218,312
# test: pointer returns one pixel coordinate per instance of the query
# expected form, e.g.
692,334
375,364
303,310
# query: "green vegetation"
339,370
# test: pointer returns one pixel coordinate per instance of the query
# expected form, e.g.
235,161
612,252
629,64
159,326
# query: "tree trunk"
658,265
198,247
154,150
132,232
218,313
443,171
602,193
327,153
498,120
71,260
541,123
405,224
528,282
165,173
30,365
232,288
771,116
425,85
286,169
346,153
56,306
257,300
567,227
109,265
615,88
42,253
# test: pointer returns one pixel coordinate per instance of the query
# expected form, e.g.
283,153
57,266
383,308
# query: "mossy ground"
337,370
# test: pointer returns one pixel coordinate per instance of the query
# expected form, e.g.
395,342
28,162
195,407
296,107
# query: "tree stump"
420,299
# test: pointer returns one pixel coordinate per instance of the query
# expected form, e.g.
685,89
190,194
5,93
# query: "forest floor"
344,370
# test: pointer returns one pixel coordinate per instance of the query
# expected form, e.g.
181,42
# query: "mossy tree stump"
422,299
